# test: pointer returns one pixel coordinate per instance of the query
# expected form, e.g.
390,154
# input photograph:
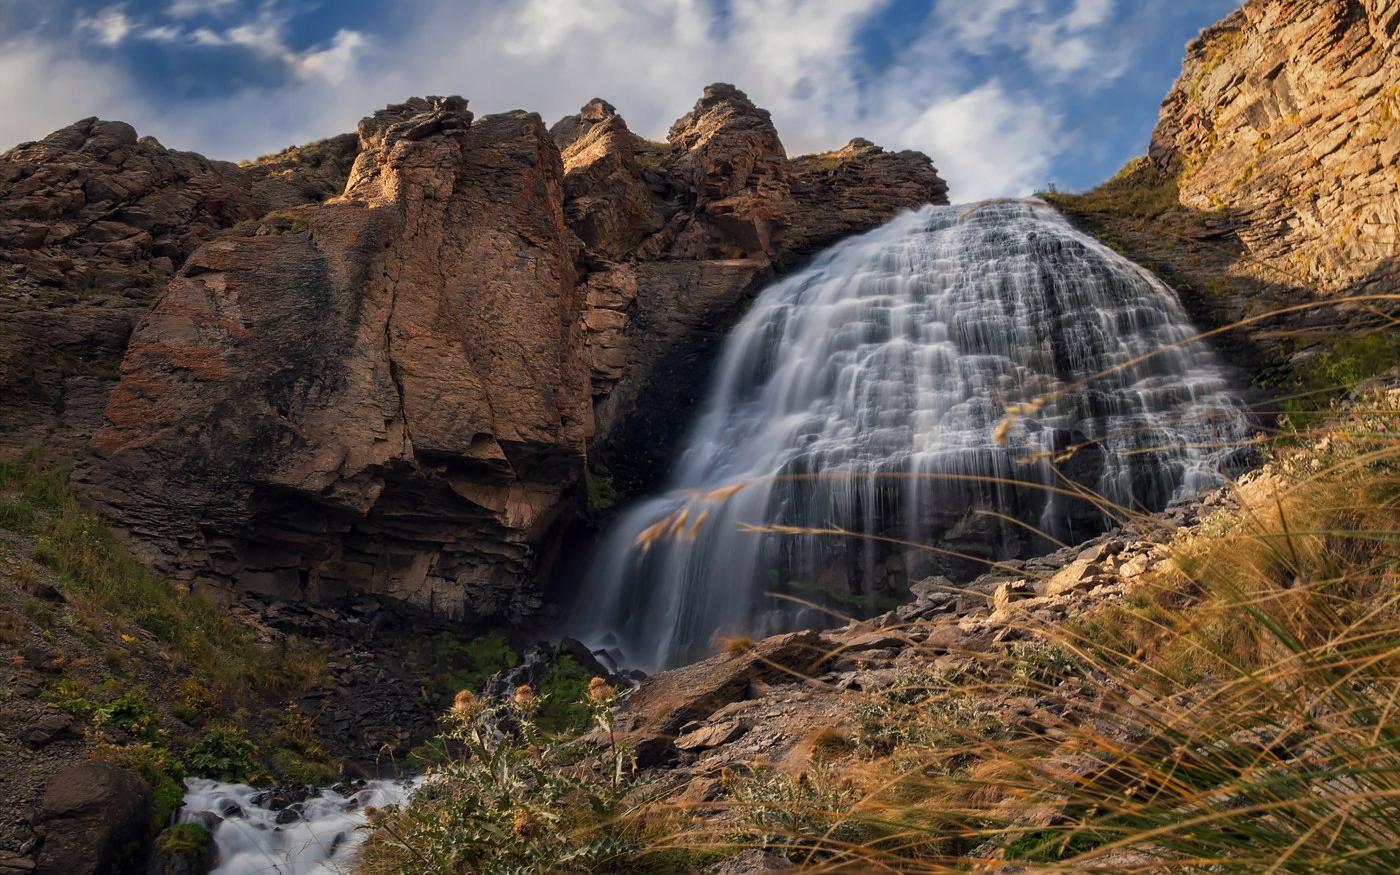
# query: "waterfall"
256,832
869,393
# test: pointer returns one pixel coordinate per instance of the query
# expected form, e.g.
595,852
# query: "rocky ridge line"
393,392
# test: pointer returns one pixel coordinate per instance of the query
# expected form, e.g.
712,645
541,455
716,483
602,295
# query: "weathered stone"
96,821
666,702
48,728
386,395
711,735
1079,574
92,222
752,860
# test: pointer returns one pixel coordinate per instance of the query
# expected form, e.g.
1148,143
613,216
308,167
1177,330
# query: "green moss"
446,663
162,771
601,492
185,839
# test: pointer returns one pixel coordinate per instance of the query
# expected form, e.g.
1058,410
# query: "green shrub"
184,840
129,713
503,803
224,753
445,662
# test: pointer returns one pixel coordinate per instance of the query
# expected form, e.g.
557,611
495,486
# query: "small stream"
255,831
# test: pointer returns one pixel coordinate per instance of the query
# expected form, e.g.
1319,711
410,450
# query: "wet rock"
95,819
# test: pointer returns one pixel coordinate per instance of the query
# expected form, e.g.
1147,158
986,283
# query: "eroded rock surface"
1288,114
385,378
93,222
392,391
382,393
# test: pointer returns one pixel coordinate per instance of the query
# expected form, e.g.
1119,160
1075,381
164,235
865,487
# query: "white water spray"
865,393
317,836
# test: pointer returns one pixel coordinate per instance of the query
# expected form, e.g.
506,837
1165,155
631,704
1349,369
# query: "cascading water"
315,836
869,393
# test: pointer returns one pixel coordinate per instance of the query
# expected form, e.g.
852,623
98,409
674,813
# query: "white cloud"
42,90
109,26
334,62
800,59
988,142
164,33
188,8
1056,41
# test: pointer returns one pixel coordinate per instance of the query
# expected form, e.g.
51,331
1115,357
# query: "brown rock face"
1270,182
378,394
727,209
1288,114
93,221
393,391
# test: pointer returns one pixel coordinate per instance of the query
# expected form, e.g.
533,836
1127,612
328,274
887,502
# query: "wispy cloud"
997,132
190,8
109,26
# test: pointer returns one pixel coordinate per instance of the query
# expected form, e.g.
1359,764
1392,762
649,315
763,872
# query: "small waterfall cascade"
316,835
868,393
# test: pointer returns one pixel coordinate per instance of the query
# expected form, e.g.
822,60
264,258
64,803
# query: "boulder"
96,820
752,860
381,394
666,702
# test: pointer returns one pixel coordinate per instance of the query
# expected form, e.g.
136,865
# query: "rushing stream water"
866,392
315,836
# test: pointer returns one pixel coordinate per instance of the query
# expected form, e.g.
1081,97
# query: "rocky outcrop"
1287,114
377,394
732,210
385,378
1270,180
93,222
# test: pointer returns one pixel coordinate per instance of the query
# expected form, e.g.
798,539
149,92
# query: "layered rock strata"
93,223
393,391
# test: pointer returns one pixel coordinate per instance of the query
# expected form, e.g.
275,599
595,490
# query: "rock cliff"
379,364
1287,113
93,222
1270,180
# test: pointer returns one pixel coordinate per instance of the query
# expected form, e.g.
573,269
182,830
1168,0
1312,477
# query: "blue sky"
1005,95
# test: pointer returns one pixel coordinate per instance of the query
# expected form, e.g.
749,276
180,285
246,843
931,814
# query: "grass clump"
512,798
105,583
1139,190
184,840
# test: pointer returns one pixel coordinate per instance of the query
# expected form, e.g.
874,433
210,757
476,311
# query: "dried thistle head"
737,645
525,699
466,704
600,691
524,825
